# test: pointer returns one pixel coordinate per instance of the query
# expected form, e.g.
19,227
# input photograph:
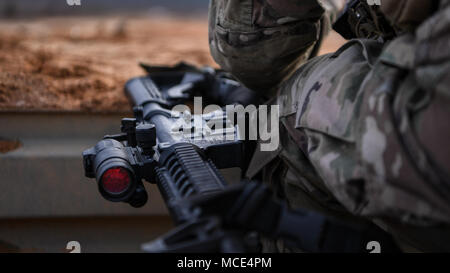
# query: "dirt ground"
7,146
81,64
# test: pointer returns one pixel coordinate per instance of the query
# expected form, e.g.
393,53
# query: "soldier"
364,131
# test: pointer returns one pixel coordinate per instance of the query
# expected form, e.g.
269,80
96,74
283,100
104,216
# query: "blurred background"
29,8
62,71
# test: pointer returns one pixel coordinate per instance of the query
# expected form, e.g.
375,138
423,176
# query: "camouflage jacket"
363,131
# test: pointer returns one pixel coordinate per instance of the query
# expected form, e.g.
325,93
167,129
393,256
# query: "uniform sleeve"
374,120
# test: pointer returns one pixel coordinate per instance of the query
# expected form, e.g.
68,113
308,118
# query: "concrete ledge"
45,177
95,234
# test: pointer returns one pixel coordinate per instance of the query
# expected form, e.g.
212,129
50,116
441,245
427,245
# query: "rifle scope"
109,163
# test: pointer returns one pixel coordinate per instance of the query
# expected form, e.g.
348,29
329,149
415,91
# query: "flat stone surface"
45,176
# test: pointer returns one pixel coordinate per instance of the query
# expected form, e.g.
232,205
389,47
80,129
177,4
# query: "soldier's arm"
372,119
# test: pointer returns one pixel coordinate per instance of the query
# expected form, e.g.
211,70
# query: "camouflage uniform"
364,131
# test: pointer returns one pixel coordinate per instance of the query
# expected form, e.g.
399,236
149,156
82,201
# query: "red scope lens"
116,180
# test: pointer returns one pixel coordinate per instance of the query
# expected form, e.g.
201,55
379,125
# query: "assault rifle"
209,214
